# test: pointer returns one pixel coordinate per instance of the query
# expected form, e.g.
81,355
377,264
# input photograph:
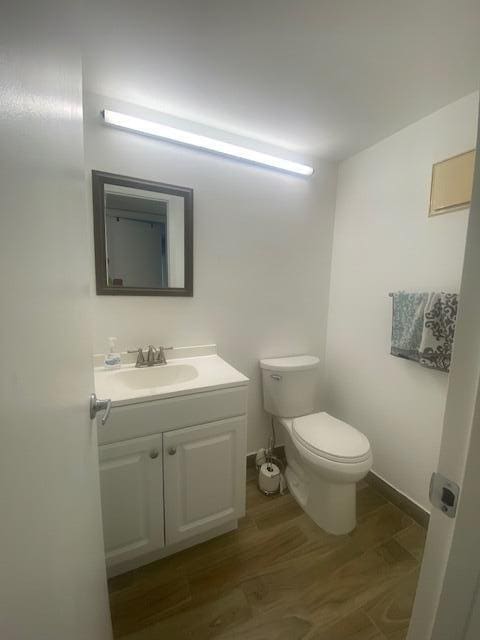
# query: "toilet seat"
330,438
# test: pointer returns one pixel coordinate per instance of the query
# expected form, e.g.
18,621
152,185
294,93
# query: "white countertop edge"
174,394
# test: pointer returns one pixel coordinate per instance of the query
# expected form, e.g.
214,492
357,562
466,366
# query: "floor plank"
202,623
224,572
356,626
278,513
357,583
413,540
137,607
380,525
285,624
391,611
288,582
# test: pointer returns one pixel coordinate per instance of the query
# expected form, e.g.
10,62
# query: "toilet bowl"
326,457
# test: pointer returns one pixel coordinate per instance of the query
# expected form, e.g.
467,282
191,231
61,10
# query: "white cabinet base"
172,475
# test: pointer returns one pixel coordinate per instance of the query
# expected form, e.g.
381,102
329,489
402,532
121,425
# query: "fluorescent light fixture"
202,142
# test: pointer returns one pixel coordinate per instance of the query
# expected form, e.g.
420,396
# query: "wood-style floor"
280,577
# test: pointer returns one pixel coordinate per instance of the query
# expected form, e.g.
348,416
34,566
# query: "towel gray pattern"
423,328
439,331
407,324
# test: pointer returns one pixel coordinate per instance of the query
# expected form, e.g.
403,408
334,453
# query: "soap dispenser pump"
113,360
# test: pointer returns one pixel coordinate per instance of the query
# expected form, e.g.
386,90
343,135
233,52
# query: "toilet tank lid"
290,363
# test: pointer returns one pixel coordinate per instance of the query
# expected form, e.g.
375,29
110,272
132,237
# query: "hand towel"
407,324
440,315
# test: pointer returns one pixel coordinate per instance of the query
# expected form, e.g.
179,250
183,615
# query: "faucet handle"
161,354
140,356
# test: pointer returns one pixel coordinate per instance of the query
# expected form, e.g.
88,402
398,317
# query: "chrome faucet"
151,355
155,356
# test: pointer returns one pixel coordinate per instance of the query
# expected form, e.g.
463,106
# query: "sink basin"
159,376
180,376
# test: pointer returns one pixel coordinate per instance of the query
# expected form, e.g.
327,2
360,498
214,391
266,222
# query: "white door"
204,477
447,606
473,622
52,570
131,481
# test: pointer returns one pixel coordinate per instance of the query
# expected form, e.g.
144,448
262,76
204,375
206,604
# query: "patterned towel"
439,331
407,324
423,328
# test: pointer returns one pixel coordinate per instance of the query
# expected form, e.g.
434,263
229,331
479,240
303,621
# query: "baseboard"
400,500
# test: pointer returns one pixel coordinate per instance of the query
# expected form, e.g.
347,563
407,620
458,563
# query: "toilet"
325,456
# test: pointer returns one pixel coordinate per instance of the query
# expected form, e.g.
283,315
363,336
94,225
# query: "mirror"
143,236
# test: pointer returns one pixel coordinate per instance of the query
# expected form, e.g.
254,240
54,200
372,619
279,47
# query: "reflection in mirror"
145,238
143,246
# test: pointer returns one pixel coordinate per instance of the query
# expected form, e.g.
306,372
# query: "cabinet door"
131,483
205,470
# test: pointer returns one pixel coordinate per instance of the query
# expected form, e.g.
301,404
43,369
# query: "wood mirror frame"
99,180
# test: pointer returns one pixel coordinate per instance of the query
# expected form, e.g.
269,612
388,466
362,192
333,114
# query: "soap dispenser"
113,360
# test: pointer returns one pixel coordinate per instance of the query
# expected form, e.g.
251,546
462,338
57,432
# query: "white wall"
262,252
384,241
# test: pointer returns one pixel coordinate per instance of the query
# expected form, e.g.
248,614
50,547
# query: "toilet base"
331,506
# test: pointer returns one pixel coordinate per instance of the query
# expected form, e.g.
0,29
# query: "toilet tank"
289,385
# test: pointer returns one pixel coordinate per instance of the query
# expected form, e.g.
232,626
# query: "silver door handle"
97,405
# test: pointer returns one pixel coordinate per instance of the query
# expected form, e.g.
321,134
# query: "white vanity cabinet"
204,470
172,473
131,484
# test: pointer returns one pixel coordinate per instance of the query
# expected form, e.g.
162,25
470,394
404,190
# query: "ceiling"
319,77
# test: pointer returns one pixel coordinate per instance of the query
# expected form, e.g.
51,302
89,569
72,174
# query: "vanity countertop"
180,376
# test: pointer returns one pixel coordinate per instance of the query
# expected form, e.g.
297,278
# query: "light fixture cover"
173,134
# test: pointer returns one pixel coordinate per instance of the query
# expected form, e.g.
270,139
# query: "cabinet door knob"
172,451
154,453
